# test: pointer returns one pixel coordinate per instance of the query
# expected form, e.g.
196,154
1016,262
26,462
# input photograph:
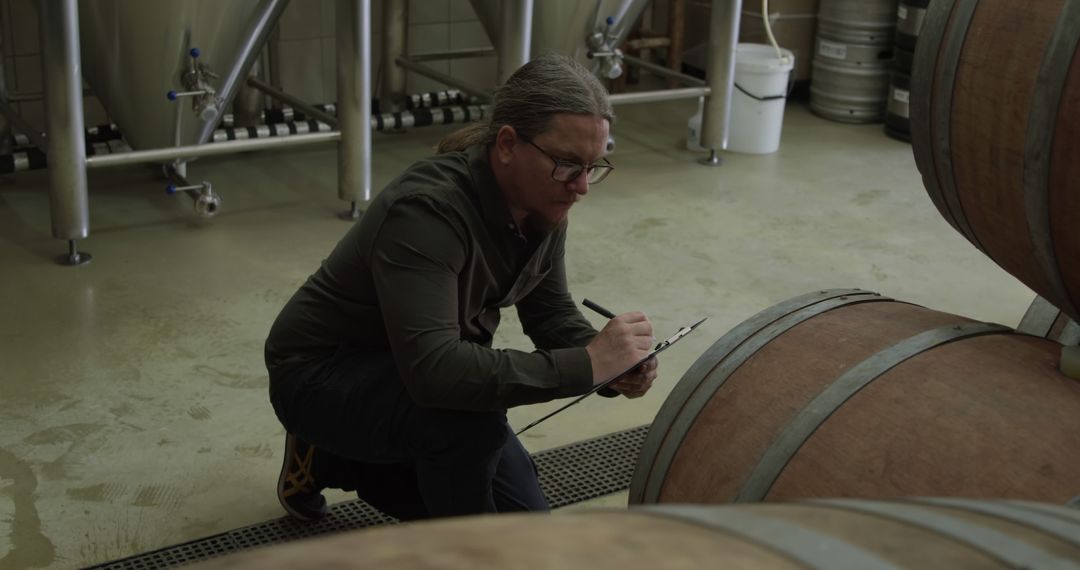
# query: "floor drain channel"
568,474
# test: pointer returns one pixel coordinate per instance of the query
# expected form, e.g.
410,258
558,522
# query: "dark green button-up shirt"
424,274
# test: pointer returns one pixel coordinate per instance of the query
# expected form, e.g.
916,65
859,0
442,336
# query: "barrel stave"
983,417
889,539
749,411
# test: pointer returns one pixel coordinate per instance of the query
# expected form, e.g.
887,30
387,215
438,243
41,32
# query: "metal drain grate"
590,468
568,474
349,515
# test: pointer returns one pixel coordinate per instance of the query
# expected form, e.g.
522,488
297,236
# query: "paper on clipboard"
660,347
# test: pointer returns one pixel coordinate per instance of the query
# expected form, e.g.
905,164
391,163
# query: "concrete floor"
132,391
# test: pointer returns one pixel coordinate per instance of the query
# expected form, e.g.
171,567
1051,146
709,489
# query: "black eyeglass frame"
589,169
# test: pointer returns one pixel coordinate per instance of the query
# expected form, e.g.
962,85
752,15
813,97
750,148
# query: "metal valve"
207,202
602,49
198,80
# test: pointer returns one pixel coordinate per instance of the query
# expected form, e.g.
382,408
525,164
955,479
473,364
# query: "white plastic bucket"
757,104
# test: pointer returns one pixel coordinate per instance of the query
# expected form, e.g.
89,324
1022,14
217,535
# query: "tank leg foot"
712,160
352,214
74,256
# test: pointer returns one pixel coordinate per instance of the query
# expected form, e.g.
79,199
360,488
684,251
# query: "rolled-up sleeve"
417,259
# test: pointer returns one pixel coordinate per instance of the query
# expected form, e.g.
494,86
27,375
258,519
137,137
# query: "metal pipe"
5,125
296,102
676,30
453,54
61,71
354,100
249,101
443,78
664,72
415,101
36,96
180,94
395,36
515,38
179,166
33,159
720,69
208,149
382,122
661,95
37,138
17,97
249,52
273,59
284,129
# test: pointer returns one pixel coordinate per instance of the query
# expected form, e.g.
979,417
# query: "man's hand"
636,383
625,340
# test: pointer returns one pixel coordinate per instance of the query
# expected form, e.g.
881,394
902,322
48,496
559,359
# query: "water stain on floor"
29,545
62,434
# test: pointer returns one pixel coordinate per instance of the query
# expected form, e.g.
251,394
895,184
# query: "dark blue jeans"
409,462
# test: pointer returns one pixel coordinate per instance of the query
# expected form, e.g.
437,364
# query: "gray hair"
549,85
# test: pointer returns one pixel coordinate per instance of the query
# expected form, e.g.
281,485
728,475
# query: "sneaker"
296,489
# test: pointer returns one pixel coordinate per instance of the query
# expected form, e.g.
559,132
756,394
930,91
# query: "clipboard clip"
678,335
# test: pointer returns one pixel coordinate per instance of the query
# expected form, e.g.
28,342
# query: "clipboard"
660,347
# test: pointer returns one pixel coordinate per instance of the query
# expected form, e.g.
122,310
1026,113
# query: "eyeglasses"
565,170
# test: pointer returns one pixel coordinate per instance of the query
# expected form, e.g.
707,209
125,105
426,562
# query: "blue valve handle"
171,95
195,52
170,189
610,20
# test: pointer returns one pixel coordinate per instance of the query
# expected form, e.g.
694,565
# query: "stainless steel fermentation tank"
167,71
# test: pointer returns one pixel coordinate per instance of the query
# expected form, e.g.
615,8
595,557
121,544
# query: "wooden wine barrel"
995,123
1045,320
847,393
831,534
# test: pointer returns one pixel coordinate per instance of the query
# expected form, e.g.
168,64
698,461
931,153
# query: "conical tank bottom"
562,26
136,51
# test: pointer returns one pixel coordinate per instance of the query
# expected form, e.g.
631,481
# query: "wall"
307,56
22,62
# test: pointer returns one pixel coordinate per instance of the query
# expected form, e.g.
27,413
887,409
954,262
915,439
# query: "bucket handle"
790,86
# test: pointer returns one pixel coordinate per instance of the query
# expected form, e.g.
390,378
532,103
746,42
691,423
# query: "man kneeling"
381,365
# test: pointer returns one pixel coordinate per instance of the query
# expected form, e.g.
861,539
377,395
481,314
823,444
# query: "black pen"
604,312
606,391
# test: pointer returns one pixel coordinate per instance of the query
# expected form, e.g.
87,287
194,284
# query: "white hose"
768,31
